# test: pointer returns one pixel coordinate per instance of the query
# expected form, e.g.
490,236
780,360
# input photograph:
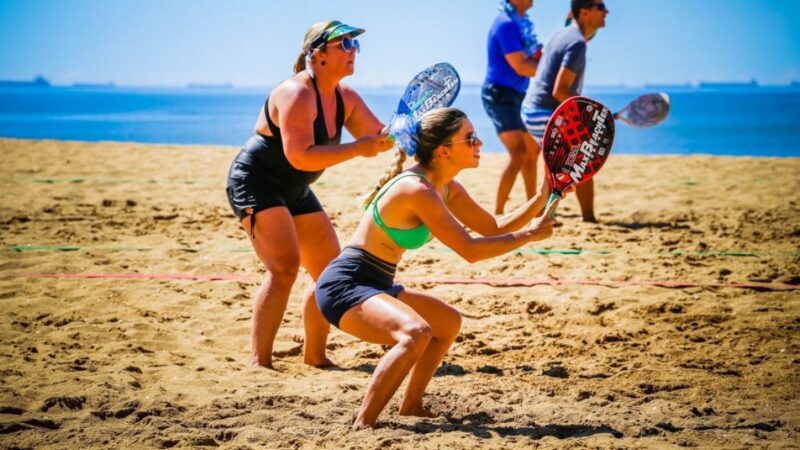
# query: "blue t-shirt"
566,49
504,38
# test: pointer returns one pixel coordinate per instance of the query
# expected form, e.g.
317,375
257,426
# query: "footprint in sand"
64,401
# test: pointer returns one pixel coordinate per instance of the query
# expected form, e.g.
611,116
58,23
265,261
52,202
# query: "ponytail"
311,35
300,64
394,169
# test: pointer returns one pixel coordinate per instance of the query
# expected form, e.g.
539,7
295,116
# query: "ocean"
727,120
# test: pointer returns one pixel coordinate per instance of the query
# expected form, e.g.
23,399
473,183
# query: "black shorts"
255,184
249,187
352,278
503,105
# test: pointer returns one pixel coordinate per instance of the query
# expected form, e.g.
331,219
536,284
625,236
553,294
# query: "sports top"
272,157
410,238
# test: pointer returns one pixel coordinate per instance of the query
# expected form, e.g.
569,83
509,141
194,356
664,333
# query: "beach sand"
155,362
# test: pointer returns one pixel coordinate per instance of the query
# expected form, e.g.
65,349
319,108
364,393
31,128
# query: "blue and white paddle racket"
645,111
435,87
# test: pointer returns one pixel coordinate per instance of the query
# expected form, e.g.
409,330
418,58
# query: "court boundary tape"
509,282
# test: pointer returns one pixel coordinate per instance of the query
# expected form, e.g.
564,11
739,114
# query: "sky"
253,43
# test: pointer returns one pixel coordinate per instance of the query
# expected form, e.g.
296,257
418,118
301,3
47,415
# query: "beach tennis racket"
436,86
576,143
645,111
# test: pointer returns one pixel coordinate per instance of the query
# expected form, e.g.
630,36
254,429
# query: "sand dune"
140,355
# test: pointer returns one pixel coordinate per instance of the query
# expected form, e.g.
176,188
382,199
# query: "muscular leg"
529,164
383,319
276,245
318,247
585,193
514,143
445,321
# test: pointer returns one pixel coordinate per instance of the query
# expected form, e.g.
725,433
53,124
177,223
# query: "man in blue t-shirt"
560,76
513,54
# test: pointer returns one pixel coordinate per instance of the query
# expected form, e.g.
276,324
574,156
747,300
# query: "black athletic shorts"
352,278
251,185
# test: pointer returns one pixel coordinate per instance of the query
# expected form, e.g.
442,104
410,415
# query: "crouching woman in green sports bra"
357,293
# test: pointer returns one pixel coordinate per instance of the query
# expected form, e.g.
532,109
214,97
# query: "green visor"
335,30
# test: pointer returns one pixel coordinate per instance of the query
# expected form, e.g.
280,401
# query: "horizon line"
41,81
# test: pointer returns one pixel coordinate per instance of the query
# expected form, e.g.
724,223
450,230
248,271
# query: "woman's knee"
417,335
284,272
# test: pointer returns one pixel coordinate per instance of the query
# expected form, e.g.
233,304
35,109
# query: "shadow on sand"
479,426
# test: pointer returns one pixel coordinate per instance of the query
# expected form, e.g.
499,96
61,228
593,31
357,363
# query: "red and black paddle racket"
576,143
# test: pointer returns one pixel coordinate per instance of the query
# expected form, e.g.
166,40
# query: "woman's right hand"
370,146
541,228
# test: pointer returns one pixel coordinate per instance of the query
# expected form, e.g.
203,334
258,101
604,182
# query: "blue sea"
734,121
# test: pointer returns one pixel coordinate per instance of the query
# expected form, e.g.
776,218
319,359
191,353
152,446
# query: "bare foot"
590,219
418,411
361,425
256,365
317,362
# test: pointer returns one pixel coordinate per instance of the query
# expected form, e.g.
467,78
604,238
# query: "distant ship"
663,87
39,81
727,84
94,85
227,85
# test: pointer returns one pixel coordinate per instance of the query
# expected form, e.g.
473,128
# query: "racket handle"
554,198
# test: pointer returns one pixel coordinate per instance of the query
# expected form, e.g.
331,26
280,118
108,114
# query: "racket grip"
553,199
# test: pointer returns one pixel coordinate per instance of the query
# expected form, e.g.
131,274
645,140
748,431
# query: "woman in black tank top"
268,183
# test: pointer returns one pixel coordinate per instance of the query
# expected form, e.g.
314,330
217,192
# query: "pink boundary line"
491,282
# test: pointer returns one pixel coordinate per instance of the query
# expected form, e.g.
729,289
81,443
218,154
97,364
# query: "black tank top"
272,157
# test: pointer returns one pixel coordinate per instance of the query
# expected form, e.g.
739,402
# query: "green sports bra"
410,238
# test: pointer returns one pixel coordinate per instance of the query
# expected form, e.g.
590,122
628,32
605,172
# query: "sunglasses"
601,6
348,44
472,140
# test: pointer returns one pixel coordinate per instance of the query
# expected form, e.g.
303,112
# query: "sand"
609,358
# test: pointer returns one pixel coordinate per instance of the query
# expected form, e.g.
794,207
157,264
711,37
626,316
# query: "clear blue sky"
254,43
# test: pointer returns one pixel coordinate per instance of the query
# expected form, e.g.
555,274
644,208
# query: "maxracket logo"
590,147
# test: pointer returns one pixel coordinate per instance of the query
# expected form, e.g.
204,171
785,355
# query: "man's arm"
524,66
562,89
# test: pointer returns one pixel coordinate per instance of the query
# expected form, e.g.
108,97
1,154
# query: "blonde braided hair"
394,169
435,127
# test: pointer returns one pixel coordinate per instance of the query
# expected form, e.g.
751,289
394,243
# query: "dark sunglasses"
348,44
472,140
601,6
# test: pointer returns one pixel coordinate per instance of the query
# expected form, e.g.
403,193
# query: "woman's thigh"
317,241
275,238
381,319
444,319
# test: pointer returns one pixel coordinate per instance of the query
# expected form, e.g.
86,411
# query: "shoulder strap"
374,204
339,112
273,127
320,111
385,189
